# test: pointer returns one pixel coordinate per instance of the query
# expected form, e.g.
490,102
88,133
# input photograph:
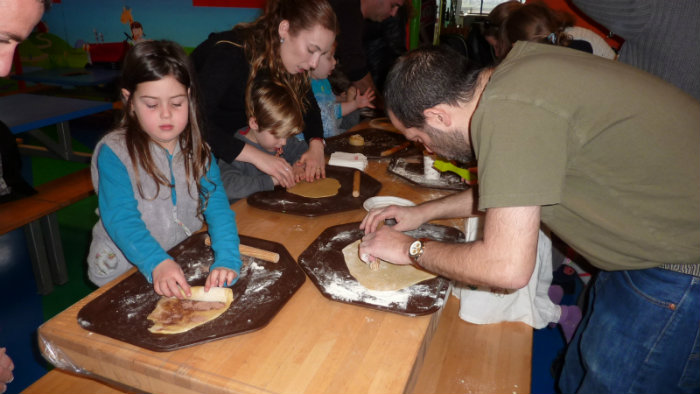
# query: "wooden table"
29,112
313,345
37,214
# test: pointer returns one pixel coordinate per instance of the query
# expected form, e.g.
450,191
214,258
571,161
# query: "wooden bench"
37,214
57,381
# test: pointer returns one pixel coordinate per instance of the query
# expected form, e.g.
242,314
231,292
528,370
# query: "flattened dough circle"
388,277
166,323
326,187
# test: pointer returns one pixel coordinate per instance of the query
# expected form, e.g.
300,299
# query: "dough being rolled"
325,187
174,316
388,277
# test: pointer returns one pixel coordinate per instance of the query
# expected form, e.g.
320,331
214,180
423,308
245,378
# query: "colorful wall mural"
77,32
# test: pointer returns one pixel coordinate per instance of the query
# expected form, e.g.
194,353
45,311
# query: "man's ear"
437,117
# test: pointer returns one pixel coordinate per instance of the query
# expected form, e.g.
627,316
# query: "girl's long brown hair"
261,40
151,61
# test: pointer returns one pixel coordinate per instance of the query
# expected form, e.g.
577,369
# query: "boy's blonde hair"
273,106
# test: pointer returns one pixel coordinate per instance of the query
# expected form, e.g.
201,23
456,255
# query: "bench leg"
37,254
54,249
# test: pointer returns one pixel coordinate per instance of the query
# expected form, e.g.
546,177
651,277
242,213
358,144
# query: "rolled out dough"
326,187
387,277
174,316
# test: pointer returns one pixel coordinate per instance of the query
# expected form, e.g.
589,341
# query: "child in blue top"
157,180
273,119
331,109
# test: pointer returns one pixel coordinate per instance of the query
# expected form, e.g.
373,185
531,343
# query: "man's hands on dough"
168,279
386,244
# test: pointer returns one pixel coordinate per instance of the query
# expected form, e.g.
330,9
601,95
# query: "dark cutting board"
261,291
279,200
376,142
411,169
324,263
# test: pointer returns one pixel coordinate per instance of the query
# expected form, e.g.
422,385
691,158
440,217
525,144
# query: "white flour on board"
342,290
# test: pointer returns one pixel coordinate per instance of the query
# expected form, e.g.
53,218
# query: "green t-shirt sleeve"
521,150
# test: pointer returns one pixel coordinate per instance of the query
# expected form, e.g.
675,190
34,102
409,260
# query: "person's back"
660,36
611,153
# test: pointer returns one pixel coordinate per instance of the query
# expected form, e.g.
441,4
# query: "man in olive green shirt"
607,156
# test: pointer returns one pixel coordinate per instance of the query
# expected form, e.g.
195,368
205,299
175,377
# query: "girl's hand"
365,100
168,279
220,277
314,161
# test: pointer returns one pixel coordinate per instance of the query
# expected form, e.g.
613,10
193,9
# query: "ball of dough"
356,140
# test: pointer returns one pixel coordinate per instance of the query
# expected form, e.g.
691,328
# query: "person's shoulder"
115,137
219,42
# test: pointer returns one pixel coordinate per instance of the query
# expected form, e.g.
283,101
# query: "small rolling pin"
356,184
259,253
252,252
395,149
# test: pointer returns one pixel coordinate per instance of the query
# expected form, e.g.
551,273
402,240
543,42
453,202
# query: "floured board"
280,200
260,293
376,142
324,263
411,169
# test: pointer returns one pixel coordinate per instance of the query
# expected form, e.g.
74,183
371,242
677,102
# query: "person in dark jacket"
286,40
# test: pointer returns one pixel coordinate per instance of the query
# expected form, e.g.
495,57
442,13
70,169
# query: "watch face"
415,248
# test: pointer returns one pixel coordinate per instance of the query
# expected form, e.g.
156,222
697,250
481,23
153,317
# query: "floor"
24,310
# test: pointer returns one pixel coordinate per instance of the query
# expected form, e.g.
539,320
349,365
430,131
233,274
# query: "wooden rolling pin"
356,184
395,149
259,253
252,252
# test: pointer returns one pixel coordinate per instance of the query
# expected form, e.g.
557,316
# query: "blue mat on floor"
547,343
21,313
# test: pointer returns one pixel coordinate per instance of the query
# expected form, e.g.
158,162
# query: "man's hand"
168,279
407,218
386,244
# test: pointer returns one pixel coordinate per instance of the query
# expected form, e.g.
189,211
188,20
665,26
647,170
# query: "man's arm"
458,205
505,258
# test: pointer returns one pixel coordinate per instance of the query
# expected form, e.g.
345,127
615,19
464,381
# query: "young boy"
331,109
273,118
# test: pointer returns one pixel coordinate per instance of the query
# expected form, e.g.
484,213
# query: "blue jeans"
640,334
